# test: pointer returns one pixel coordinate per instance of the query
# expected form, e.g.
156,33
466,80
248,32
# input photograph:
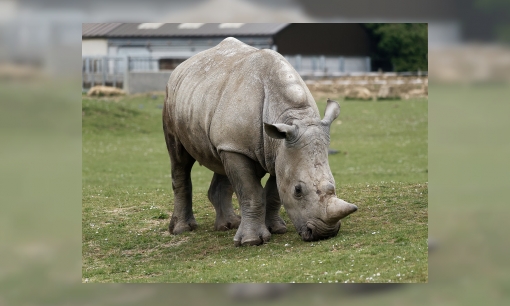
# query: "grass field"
382,167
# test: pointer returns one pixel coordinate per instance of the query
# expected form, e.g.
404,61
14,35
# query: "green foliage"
127,202
404,44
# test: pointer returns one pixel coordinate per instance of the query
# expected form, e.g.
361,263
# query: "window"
169,63
190,25
149,26
230,25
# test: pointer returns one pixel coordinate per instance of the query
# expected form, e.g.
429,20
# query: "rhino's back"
215,102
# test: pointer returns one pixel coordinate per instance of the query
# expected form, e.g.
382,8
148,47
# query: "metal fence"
114,70
310,66
103,70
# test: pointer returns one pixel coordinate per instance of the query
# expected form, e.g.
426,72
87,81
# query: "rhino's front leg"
274,222
245,175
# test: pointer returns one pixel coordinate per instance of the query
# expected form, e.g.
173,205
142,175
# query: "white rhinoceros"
244,112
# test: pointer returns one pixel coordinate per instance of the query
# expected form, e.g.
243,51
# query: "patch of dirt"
117,214
146,276
147,252
152,224
120,210
173,244
137,252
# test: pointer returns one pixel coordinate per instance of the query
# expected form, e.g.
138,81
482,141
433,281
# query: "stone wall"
371,87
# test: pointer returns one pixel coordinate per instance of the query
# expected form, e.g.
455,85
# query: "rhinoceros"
244,112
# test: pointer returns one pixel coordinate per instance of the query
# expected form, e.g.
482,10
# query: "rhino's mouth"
318,230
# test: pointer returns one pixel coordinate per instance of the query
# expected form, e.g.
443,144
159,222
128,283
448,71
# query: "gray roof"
173,30
97,29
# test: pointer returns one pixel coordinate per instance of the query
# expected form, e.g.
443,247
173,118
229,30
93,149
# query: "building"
313,49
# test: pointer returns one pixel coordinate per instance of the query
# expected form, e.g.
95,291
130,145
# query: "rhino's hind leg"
181,162
274,222
245,175
220,195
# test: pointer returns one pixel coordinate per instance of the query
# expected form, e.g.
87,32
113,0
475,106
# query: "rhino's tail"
166,121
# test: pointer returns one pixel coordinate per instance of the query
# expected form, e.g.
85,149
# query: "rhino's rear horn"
331,113
338,209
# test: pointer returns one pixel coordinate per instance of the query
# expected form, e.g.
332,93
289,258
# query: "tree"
404,44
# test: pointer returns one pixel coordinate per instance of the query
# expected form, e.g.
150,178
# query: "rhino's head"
305,183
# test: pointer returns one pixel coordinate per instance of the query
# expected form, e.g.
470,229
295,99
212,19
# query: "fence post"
85,74
103,68
125,84
341,64
322,63
87,71
369,64
114,72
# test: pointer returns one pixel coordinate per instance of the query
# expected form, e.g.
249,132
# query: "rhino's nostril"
329,188
307,233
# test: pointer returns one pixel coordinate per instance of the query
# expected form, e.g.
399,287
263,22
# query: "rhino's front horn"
338,209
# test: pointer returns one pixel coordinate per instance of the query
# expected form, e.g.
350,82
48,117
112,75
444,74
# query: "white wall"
91,47
444,33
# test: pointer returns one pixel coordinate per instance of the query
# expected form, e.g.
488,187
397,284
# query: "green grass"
127,199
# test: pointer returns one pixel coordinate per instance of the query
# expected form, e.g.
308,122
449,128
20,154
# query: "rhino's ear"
279,130
332,111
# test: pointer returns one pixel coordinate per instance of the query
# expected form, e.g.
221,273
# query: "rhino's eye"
298,191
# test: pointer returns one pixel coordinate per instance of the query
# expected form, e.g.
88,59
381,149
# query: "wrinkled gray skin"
244,112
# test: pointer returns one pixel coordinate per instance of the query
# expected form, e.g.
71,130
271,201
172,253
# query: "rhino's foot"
178,226
225,224
276,225
251,235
